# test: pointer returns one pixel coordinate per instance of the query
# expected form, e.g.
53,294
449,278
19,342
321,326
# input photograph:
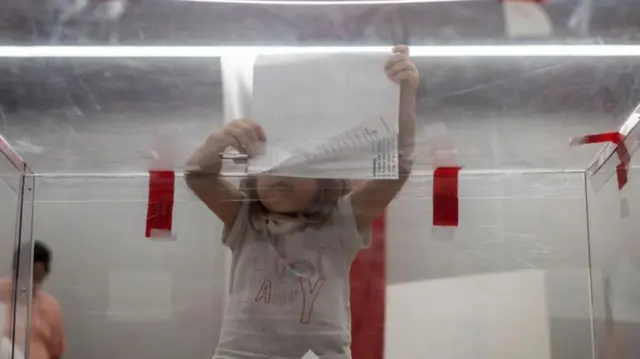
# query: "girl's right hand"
244,135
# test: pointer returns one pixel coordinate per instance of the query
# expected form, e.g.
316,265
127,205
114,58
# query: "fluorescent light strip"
324,2
218,51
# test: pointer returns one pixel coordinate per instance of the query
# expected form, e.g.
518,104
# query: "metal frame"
23,263
23,269
12,156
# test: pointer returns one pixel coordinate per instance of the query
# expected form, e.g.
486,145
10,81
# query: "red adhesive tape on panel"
368,285
622,169
160,206
445,196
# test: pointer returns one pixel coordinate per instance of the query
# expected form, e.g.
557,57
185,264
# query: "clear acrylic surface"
543,264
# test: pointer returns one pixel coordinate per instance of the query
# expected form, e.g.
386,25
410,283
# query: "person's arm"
203,168
6,291
370,199
59,343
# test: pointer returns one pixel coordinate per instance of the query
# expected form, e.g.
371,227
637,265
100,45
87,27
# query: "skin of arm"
203,168
370,199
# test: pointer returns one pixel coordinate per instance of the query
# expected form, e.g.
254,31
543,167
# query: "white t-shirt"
290,295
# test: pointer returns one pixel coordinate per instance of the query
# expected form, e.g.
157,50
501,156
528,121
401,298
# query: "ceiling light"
218,51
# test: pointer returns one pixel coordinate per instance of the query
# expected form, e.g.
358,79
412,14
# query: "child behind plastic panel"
293,240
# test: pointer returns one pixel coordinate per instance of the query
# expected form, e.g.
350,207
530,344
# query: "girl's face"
39,273
286,195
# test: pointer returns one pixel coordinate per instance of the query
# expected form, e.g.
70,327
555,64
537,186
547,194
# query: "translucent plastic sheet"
106,115
134,297
524,232
9,200
612,233
533,257
146,22
14,264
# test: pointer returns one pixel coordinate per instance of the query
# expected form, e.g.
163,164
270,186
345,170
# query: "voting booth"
514,236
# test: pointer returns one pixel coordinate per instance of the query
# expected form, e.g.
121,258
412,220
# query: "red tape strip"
160,205
445,196
622,169
368,285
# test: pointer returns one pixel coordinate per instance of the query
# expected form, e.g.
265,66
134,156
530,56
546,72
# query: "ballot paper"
526,19
326,116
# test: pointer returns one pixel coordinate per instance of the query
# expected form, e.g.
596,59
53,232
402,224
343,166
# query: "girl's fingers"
248,131
394,59
401,49
259,131
243,144
400,67
247,136
405,76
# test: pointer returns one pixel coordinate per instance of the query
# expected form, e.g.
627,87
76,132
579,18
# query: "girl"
293,240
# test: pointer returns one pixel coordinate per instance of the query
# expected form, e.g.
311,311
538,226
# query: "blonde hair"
330,191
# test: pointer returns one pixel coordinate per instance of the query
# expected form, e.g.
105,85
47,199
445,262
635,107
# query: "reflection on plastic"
237,86
624,290
624,208
140,296
12,155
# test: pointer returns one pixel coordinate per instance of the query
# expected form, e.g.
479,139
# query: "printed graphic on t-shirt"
292,284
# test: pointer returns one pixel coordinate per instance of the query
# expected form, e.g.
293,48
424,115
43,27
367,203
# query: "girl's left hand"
401,69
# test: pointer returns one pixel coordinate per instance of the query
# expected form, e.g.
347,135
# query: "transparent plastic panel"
9,201
615,263
514,113
505,85
123,295
512,280
23,261
513,276
270,22
9,177
14,276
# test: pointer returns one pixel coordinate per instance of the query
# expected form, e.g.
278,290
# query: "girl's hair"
41,254
330,191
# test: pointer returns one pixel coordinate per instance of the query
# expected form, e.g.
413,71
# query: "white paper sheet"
326,115
526,19
310,355
139,296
